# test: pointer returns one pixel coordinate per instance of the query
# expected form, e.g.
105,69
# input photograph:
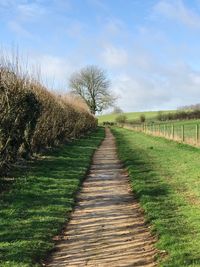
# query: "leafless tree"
117,110
92,85
190,107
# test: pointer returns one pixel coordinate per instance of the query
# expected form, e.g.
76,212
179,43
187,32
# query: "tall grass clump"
33,118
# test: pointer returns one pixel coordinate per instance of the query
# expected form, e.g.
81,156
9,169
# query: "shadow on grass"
38,204
164,208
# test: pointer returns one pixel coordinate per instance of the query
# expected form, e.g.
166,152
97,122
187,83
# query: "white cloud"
7,3
30,11
149,84
100,4
148,68
178,11
114,26
16,27
183,80
51,70
20,12
114,56
137,93
75,29
64,5
55,71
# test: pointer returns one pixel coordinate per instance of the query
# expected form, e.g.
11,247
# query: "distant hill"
132,115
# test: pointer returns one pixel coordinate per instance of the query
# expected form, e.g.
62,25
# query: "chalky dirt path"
107,227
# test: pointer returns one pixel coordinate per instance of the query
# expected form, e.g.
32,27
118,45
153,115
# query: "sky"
150,49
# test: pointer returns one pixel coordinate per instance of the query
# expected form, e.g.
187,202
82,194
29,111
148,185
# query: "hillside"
131,115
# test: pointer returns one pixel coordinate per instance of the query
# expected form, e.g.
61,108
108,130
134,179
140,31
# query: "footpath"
107,227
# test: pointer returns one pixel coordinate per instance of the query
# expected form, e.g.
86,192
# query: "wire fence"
186,133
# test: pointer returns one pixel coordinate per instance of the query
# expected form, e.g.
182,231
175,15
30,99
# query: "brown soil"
107,227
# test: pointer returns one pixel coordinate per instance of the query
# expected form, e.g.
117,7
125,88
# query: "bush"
179,115
121,118
19,112
142,118
117,110
32,118
108,123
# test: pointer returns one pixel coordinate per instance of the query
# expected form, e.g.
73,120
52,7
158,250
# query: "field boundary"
184,133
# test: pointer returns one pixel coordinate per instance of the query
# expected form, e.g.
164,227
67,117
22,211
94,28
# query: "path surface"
107,227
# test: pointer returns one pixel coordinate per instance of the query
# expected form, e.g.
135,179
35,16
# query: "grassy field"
172,130
131,116
164,127
180,122
165,177
189,129
39,203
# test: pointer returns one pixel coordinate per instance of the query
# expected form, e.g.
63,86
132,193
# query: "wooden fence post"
173,131
197,133
162,130
183,133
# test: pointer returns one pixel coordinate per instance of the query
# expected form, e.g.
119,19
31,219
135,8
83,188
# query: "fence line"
186,133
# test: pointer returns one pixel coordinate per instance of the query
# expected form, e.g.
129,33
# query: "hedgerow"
33,118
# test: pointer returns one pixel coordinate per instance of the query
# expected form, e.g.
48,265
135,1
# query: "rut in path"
107,227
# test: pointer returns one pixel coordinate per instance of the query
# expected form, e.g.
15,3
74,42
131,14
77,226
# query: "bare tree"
117,110
92,85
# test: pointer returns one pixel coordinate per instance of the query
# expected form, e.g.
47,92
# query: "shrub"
121,118
179,115
142,118
19,111
108,123
32,118
117,110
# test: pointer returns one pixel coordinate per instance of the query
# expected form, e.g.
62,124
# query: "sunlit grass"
38,205
165,178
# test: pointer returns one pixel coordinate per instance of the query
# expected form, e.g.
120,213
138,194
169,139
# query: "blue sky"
149,48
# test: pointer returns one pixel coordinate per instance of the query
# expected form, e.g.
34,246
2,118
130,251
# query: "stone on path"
107,227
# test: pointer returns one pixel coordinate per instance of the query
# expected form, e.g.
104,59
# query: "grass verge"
165,178
39,203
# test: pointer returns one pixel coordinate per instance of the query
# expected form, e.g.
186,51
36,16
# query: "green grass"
166,179
39,203
189,125
166,127
131,116
181,122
